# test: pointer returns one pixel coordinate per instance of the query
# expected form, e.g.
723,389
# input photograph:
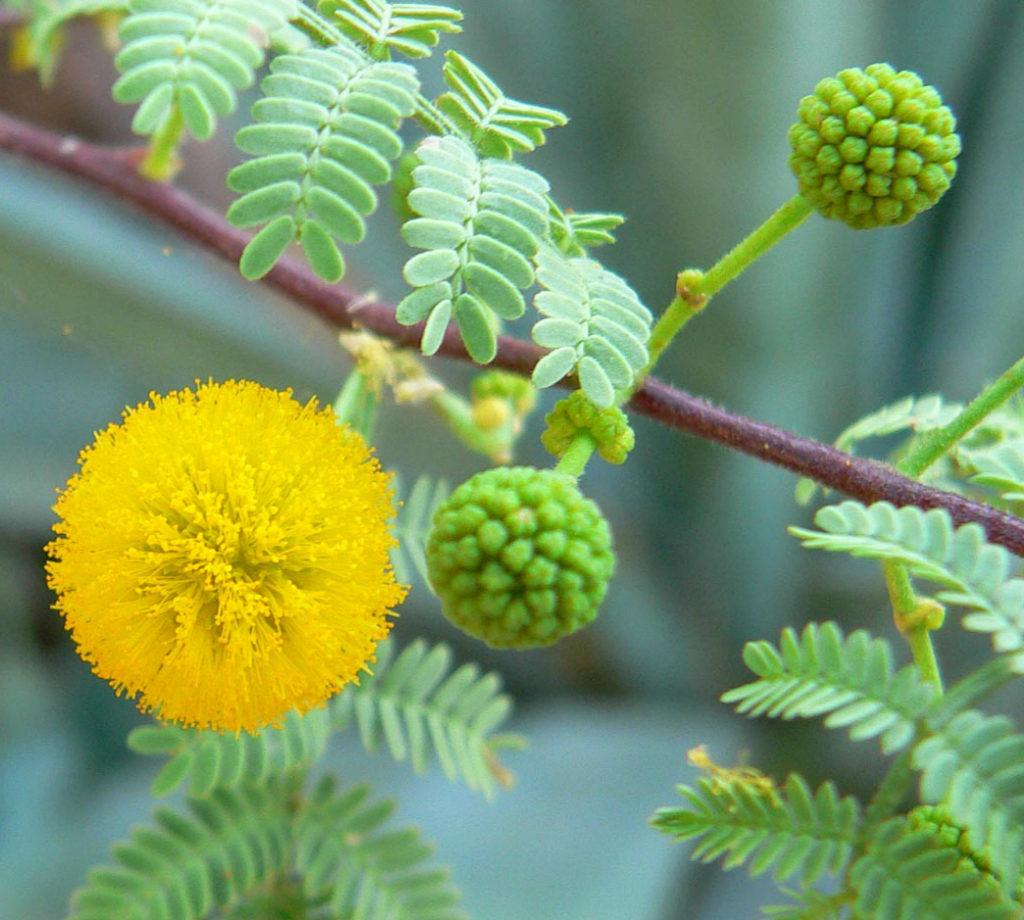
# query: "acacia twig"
10,18
867,480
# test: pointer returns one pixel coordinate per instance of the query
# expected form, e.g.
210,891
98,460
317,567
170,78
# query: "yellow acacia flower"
223,553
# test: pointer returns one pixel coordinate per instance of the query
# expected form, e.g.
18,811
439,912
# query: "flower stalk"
695,288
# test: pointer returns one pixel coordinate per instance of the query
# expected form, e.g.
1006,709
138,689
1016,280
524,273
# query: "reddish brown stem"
10,18
866,480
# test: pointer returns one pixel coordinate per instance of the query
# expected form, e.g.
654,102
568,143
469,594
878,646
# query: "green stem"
901,592
931,447
936,443
694,289
161,161
920,640
906,607
908,613
457,414
683,308
574,460
790,216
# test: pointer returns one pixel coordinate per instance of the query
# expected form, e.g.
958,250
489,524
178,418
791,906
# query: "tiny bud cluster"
575,414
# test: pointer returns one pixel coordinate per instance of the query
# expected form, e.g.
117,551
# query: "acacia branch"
10,18
866,480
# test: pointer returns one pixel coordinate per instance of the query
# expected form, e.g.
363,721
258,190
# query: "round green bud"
491,413
873,147
518,557
574,414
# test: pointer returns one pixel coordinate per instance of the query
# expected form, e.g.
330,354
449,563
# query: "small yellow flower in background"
223,553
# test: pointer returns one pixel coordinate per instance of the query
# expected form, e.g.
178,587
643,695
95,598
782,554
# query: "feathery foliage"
1005,425
40,41
356,868
413,700
1001,468
188,58
494,124
972,689
417,704
974,766
410,29
987,462
480,222
809,905
324,138
325,135
413,525
974,573
889,797
791,829
988,448
849,680
573,233
913,413
185,865
595,325
209,760
908,874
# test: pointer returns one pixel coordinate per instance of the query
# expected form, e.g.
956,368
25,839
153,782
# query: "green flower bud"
873,147
506,386
518,557
574,414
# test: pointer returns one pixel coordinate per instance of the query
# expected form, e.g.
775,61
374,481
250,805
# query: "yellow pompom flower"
223,554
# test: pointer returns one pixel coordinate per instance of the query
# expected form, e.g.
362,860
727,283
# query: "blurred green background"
679,115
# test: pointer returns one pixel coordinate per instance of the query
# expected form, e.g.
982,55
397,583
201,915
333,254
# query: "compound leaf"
494,124
186,864
325,135
416,704
413,526
596,326
349,860
410,29
908,873
790,829
209,760
850,680
191,57
972,572
480,222
974,765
